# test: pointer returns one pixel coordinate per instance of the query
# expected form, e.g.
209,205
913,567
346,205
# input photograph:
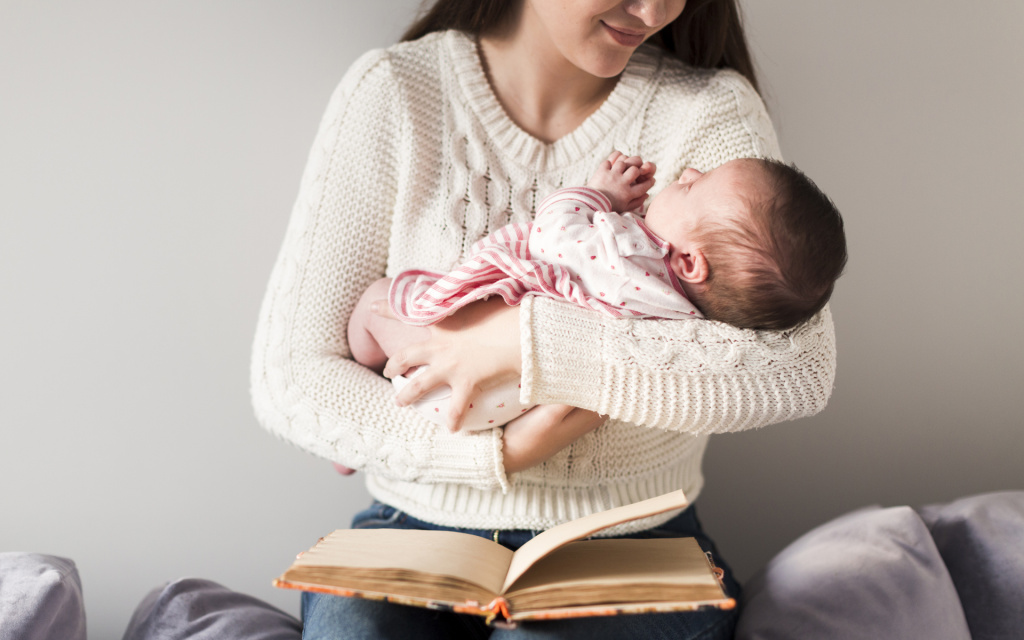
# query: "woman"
428,146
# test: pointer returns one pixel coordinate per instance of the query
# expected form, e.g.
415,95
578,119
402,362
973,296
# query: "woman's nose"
651,12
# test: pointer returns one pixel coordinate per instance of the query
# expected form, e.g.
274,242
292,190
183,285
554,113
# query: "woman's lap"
329,617
326,616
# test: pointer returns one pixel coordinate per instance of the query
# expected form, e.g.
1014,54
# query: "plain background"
149,155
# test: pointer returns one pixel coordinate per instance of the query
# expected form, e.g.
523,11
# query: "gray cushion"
40,598
981,539
196,609
870,574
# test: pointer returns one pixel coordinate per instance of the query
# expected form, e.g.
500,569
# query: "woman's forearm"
697,376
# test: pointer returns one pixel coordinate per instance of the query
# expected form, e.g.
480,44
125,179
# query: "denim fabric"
330,617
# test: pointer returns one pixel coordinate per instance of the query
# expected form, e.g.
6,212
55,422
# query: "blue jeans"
331,617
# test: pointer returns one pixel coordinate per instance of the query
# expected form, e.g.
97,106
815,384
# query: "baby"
753,243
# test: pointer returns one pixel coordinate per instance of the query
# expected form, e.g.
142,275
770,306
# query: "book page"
555,537
617,571
442,553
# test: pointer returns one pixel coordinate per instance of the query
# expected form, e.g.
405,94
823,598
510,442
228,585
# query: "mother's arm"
698,376
305,387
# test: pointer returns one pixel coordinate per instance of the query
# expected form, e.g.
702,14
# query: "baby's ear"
691,267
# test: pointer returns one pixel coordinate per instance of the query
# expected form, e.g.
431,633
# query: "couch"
952,571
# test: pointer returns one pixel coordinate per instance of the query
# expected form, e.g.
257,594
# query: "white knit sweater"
414,161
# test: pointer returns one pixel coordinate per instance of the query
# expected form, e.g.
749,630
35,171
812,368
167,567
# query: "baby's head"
754,242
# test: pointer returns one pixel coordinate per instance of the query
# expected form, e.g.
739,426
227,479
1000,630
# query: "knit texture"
414,161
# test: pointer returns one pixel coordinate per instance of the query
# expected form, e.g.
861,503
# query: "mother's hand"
475,348
542,432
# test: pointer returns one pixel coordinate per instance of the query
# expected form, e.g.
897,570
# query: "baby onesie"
576,249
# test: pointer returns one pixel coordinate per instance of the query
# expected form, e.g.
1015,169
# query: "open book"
554,575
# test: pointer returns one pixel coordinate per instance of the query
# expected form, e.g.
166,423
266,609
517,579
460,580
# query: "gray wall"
149,154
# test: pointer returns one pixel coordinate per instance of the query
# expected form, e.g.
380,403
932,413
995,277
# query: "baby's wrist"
610,195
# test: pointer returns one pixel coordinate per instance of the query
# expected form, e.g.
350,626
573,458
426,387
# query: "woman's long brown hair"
708,34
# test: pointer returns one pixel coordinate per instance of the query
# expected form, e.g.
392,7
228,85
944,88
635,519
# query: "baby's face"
682,208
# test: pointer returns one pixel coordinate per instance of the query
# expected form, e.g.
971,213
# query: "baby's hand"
625,180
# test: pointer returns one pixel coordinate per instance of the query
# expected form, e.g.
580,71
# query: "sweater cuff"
475,459
561,346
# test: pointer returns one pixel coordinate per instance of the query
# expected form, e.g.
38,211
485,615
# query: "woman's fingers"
453,354
418,386
411,356
462,394
458,403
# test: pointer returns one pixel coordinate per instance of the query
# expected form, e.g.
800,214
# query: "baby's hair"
777,266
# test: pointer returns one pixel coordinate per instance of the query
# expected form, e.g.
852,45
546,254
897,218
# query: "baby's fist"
625,180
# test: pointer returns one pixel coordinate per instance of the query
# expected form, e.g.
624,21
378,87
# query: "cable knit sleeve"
305,387
696,376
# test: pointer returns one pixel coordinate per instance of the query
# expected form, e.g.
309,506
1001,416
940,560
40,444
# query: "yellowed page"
555,537
442,553
616,571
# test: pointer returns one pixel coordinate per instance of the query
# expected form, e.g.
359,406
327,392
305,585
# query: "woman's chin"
608,65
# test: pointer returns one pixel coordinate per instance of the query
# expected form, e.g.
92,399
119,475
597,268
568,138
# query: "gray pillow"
981,538
40,598
194,609
873,574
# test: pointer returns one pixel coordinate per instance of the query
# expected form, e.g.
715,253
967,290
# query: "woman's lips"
625,38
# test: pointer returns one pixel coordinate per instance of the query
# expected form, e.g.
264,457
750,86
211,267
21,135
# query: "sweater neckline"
524,148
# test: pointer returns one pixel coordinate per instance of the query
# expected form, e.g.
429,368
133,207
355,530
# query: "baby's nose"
689,175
